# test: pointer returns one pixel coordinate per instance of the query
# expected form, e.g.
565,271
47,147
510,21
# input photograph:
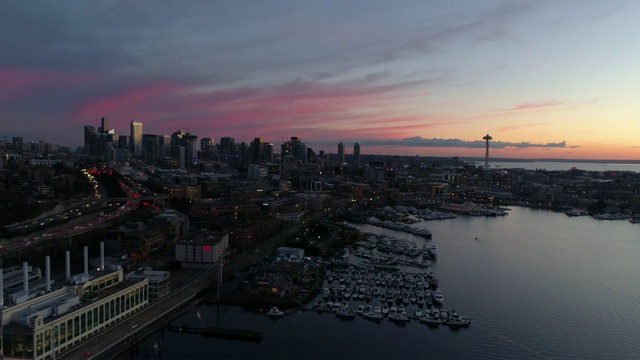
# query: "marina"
536,296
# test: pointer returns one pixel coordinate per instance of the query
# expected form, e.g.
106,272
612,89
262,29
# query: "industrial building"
40,321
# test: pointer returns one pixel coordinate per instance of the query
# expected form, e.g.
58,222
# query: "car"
86,353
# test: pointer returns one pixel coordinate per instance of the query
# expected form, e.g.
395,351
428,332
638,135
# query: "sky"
546,79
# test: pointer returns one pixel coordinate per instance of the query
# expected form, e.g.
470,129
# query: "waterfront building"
356,155
159,281
136,139
42,326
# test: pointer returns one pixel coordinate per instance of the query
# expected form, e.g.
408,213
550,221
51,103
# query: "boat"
372,316
345,313
457,322
576,212
437,296
430,320
398,317
360,309
418,313
275,312
433,249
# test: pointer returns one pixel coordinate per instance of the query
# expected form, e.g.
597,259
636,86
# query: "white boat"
372,316
360,309
576,212
437,296
275,312
433,249
345,313
431,320
418,313
400,318
456,321
385,310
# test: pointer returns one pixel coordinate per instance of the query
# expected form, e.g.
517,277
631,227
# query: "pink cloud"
528,106
520,126
296,109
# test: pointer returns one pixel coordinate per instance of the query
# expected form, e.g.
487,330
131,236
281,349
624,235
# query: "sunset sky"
547,79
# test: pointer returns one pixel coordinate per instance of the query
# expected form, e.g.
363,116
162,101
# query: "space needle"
486,155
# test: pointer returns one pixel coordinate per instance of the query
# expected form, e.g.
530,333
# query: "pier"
221,333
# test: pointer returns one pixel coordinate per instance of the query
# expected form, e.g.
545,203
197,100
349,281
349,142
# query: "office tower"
177,156
136,139
227,147
90,140
340,154
122,142
295,148
356,155
256,150
206,144
188,142
104,128
267,152
151,149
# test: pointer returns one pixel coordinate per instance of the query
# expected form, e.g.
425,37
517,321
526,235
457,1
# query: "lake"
537,284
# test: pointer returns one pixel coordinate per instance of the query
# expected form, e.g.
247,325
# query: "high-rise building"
356,155
136,138
227,147
122,142
256,150
104,128
90,140
188,142
206,144
151,149
341,154
267,152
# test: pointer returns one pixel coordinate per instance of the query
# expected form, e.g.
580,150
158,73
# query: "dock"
220,333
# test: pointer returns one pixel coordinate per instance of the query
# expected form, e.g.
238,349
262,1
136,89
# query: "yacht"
438,298
431,320
275,312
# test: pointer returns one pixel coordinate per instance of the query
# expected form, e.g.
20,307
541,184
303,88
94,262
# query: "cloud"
520,126
420,142
529,106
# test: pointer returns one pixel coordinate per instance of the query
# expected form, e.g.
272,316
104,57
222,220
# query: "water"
538,285
565,165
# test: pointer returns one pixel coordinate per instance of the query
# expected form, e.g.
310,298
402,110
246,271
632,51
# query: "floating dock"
221,333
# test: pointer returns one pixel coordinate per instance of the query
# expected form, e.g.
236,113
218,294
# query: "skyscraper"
356,154
136,138
90,140
188,142
256,150
104,128
340,154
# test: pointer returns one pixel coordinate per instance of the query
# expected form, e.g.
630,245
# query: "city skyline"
545,79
